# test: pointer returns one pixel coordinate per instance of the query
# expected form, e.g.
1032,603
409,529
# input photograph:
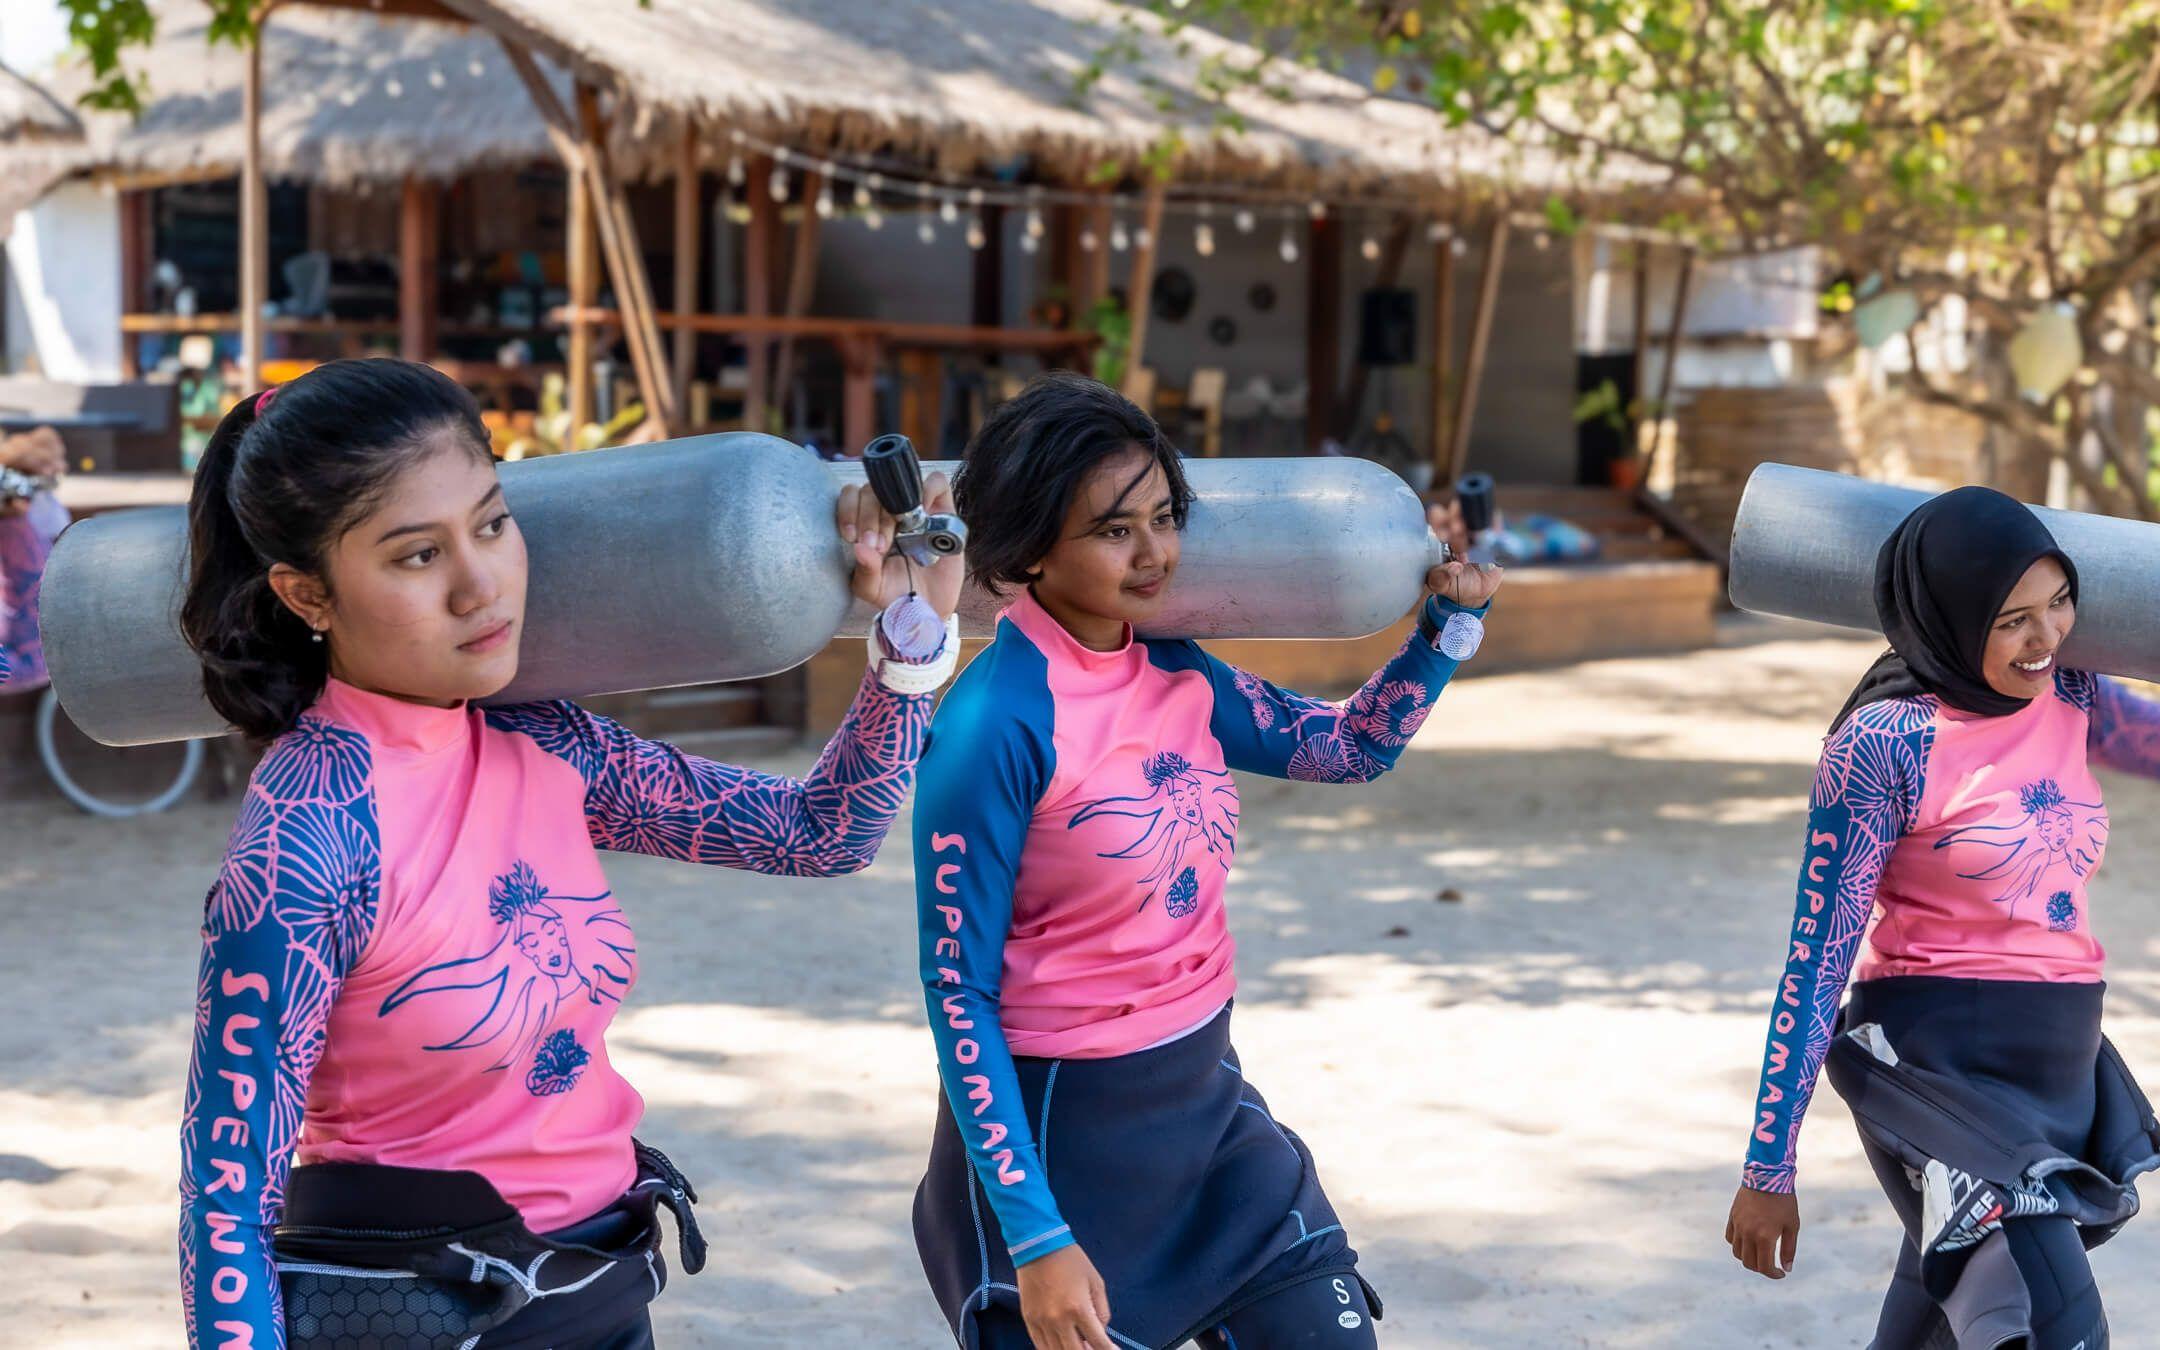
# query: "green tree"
2003,151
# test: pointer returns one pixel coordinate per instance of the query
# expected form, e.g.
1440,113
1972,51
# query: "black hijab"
1940,580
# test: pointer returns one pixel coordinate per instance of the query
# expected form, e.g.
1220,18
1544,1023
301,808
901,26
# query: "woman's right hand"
1760,1222
1065,1303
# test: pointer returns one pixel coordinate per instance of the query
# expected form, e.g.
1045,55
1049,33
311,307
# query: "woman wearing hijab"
1954,826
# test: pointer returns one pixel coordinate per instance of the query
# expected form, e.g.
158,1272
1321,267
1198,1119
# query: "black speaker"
1387,328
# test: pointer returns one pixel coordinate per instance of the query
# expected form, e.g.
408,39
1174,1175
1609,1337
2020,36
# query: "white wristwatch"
902,678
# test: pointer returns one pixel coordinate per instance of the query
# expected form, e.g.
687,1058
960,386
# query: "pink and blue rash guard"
1074,826
1941,843
411,954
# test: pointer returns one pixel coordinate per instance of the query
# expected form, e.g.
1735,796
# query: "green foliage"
2002,152
1111,323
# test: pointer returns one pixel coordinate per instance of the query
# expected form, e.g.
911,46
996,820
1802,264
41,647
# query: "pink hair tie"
262,400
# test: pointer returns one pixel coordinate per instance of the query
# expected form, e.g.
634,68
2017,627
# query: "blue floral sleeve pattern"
1867,791
1270,730
2125,731
648,797
292,909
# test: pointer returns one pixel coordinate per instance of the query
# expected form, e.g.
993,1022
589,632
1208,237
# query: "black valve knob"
1475,492
895,474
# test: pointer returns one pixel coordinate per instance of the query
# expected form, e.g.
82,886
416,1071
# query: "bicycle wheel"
107,780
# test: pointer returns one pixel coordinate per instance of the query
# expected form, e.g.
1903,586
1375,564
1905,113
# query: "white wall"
63,257
64,286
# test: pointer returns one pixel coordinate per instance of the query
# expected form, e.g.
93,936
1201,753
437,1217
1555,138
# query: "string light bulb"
1203,239
949,211
735,172
874,219
976,238
1143,237
1289,244
1438,232
1088,240
1244,220
1370,249
778,185
927,231
862,196
1035,226
1120,237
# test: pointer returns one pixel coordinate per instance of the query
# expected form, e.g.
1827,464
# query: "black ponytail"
285,474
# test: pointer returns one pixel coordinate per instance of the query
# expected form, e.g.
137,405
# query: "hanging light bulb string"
872,181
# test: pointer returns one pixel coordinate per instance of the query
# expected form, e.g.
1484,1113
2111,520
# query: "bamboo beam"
1443,360
688,243
254,215
760,246
419,254
1672,363
626,265
581,141
1142,283
1480,337
583,266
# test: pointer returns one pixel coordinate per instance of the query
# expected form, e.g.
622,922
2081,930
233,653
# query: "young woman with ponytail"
411,956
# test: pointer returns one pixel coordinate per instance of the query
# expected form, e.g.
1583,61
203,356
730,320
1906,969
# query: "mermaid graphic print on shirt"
1189,822
551,949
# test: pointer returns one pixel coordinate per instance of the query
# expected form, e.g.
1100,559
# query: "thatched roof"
28,113
353,97
348,98
970,81
35,129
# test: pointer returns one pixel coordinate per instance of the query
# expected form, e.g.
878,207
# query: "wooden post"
921,400
1323,328
419,252
688,243
138,260
1443,361
254,215
1095,263
1639,394
1672,363
760,244
858,403
1384,278
583,266
1488,300
801,281
1142,284
987,292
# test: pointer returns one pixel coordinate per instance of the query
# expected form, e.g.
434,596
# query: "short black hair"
1018,475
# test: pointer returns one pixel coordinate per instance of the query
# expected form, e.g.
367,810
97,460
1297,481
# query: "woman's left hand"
883,576
1470,585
